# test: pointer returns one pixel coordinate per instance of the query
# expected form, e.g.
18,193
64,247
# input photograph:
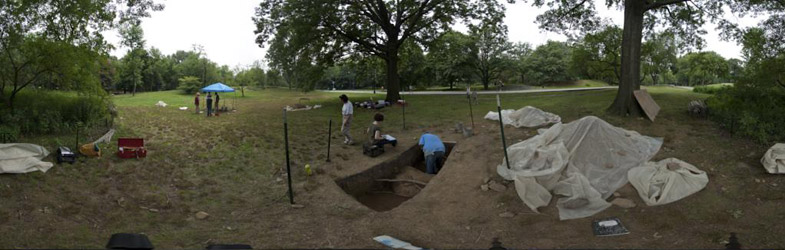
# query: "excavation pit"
388,184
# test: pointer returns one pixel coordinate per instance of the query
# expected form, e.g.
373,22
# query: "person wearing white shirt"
347,111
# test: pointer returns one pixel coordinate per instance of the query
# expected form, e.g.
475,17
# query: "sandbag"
528,116
666,181
774,159
18,158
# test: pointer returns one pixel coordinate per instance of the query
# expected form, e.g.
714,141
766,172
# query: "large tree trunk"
625,103
393,79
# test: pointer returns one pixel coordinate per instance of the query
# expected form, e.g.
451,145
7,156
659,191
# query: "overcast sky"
225,29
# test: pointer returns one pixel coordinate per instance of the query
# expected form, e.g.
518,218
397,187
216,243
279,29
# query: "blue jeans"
433,162
209,110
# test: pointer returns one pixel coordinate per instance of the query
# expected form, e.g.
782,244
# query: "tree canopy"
308,32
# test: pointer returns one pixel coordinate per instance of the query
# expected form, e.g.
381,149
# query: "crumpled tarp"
19,158
161,104
528,116
774,159
585,160
667,181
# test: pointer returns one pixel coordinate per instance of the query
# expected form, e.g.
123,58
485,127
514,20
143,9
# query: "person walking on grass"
348,112
375,132
209,104
196,102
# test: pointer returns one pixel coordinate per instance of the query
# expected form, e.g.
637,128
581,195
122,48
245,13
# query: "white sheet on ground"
161,104
19,158
666,181
528,116
774,159
586,160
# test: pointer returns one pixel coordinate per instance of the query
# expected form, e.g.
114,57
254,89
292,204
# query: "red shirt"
196,100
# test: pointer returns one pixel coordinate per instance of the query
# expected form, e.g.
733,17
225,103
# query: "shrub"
189,84
46,112
750,111
711,89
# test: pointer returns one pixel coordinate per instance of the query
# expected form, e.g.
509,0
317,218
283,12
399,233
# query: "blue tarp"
217,87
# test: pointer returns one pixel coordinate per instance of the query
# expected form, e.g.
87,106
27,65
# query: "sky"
225,29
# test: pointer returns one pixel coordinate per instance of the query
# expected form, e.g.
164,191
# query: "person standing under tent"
217,107
209,104
433,148
347,111
196,102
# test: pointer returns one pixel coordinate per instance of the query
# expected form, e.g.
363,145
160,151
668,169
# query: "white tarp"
19,158
774,159
161,104
666,181
585,160
528,116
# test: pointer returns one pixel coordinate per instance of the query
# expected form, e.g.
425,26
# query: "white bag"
659,184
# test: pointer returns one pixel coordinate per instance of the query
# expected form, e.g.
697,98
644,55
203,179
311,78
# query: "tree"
322,31
448,57
520,53
42,39
659,56
684,18
701,68
133,39
190,84
598,55
489,45
550,63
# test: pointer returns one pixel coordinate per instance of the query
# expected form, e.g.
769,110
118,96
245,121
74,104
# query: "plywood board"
648,104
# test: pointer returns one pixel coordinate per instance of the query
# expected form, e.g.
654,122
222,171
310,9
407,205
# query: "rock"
624,203
153,210
507,215
757,180
497,187
616,194
202,215
486,180
484,187
298,206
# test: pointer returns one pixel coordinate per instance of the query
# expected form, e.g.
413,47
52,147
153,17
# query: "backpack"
372,150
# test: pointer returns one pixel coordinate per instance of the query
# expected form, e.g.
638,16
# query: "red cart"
131,148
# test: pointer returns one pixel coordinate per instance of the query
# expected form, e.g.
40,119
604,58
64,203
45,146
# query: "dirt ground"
231,168
453,212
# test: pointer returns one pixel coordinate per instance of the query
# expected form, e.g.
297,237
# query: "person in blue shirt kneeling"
434,149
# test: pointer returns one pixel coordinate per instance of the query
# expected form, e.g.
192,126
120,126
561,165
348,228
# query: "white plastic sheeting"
528,116
585,161
666,181
19,158
774,159
161,104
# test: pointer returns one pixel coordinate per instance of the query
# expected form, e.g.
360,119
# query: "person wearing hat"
347,112
433,148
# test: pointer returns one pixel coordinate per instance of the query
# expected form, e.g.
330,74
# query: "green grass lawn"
229,167
712,88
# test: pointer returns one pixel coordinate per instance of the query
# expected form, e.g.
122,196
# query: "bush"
46,112
750,111
189,84
711,89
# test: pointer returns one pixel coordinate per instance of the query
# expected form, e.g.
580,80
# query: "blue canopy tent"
219,87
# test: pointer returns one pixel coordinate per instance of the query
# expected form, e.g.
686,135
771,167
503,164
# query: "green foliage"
46,112
448,58
658,57
701,68
753,108
550,63
190,84
598,55
712,88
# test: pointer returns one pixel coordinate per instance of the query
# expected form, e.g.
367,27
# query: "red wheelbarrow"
131,148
